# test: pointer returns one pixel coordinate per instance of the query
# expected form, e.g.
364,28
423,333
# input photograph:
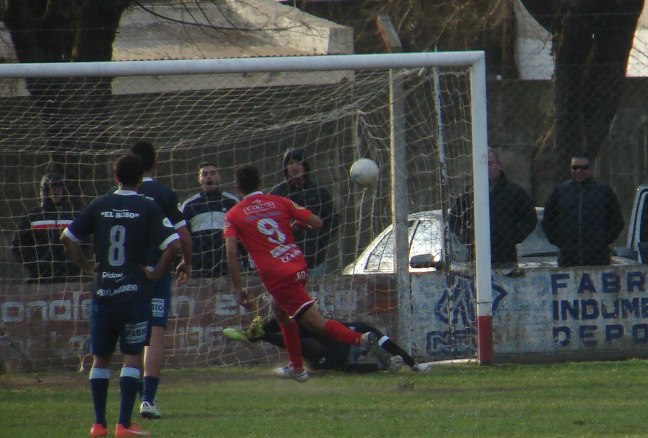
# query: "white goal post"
238,111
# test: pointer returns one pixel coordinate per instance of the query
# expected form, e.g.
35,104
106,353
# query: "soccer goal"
421,117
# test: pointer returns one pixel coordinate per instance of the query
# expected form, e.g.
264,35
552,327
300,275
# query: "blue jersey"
125,228
167,200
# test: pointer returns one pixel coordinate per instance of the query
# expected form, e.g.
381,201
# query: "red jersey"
263,224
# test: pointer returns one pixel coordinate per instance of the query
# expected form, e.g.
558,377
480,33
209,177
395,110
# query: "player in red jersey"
263,223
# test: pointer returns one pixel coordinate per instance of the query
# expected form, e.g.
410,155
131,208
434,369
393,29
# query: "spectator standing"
302,190
167,200
36,243
512,215
263,223
124,227
205,215
582,217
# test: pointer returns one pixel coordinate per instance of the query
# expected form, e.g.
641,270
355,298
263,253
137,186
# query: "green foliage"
573,399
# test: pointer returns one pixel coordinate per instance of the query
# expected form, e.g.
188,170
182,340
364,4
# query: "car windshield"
424,234
424,237
382,256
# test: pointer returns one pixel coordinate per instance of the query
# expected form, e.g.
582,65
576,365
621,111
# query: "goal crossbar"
241,65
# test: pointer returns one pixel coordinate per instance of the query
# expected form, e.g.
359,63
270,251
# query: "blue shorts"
160,302
127,321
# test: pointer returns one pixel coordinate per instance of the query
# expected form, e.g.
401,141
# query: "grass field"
567,400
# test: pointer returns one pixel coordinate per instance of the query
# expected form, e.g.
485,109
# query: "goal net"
420,117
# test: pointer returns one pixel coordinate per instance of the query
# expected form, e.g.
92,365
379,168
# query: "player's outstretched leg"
313,320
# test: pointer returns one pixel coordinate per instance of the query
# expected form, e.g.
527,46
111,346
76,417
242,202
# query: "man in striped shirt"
36,243
205,215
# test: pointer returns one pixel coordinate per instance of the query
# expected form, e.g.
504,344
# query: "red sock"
292,344
340,332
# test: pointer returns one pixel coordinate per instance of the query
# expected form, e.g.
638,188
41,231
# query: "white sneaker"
425,367
289,372
149,410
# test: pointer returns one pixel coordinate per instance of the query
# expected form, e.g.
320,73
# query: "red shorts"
291,295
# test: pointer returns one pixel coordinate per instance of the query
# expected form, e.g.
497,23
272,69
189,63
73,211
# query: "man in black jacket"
582,217
299,187
36,243
512,215
205,213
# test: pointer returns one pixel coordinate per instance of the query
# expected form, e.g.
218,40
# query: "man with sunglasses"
582,217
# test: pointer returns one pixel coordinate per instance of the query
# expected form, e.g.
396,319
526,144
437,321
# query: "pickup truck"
635,249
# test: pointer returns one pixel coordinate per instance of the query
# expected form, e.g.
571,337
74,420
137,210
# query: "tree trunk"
67,31
591,44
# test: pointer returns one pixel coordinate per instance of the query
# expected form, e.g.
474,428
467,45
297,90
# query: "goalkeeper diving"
323,353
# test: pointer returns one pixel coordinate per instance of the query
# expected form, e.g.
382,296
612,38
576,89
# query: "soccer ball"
364,172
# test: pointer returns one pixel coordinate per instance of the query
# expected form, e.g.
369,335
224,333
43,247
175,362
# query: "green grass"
563,400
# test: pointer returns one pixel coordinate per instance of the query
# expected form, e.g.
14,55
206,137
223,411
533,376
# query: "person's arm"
312,222
22,251
614,216
460,217
167,257
23,244
527,216
183,271
327,212
231,249
73,251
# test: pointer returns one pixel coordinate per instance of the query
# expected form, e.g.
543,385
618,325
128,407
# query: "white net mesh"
77,127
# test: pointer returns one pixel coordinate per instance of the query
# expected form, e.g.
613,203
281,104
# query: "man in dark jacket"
303,191
582,217
512,215
205,213
36,243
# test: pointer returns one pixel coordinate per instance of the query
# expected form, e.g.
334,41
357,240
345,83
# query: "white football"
364,172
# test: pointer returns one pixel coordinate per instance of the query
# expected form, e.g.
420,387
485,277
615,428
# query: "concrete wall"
546,315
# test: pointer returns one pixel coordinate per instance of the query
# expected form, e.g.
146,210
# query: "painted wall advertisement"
541,315
546,314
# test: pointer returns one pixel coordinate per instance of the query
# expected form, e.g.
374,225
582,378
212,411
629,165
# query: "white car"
425,231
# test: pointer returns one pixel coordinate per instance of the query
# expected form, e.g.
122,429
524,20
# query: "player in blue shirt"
124,228
167,200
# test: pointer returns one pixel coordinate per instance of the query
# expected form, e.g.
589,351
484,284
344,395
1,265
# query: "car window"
382,257
427,239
